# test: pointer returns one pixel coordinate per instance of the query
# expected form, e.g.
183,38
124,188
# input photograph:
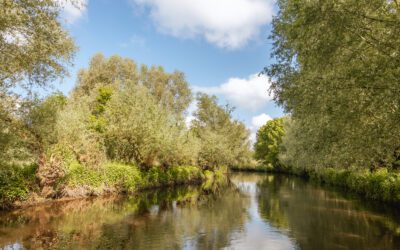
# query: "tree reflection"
321,219
201,218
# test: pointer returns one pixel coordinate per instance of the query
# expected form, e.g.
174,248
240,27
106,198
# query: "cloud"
250,94
260,120
225,23
256,122
73,10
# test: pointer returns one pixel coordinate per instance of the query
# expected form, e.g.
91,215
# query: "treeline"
133,114
336,74
121,128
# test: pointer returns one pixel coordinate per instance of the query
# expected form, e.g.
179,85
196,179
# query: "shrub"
15,183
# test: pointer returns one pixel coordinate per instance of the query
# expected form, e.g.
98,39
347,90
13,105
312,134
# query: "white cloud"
256,122
251,93
260,120
73,10
225,23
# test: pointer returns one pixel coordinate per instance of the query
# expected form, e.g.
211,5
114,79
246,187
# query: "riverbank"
20,186
381,185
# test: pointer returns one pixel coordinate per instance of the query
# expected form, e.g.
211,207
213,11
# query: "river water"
251,211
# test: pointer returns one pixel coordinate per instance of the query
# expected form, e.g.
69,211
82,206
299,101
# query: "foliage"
128,178
268,142
34,45
14,137
42,116
169,89
35,49
380,185
140,130
75,135
15,183
224,141
336,73
132,115
122,129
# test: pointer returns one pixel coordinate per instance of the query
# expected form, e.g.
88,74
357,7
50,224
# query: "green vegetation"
268,142
122,128
223,141
336,74
128,178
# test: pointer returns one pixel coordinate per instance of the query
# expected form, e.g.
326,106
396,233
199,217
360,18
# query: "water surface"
253,211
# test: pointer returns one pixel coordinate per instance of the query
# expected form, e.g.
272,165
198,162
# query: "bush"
129,178
379,185
15,183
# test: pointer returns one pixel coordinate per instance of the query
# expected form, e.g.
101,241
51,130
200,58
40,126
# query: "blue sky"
220,45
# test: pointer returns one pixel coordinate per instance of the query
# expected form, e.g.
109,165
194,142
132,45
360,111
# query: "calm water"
254,211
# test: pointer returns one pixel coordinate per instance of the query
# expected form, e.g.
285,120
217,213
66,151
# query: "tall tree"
336,72
34,47
224,141
34,50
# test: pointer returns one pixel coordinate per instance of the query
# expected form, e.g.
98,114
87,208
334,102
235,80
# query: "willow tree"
337,73
224,141
34,47
129,113
34,50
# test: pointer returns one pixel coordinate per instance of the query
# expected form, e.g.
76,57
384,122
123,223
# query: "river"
251,211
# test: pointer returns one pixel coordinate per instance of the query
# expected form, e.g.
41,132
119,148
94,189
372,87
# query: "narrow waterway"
252,211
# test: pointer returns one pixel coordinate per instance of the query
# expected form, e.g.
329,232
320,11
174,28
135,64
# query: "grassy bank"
382,185
19,185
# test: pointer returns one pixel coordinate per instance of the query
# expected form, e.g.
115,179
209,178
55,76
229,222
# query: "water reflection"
323,219
254,211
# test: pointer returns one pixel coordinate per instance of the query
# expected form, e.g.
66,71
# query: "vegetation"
34,46
268,142
121,129
336,75
223,141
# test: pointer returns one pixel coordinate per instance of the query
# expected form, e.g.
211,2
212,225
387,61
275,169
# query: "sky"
220,45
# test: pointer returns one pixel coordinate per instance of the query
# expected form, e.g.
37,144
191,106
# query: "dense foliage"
121,122
223,141
268,142
34,46
123,126
336,73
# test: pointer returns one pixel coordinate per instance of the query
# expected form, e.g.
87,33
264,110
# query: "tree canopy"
268,142
34,47
225,141
336,73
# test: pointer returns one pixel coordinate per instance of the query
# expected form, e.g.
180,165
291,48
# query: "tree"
33,45
34,50
224,141
169,89
268,142
336,73
41,118
128,114
138,128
